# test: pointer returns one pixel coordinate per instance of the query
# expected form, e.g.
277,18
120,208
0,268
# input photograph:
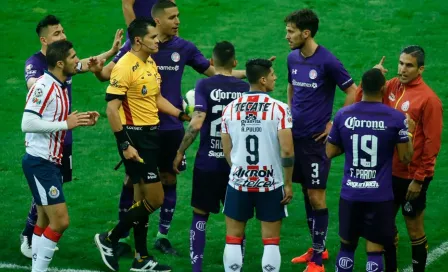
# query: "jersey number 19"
371,151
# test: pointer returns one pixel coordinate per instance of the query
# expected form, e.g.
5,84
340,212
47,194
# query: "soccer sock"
346,258
140,234
419,254
308,210
138,210
390,254
197,240
271,259
167,210
374,262
319,234
30,221
126,202
45,252
38,231
233,259
243,247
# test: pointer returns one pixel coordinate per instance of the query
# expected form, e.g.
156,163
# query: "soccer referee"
133,102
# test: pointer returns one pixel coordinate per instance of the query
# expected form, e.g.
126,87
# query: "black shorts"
169,144
146,140
415,206
66,167
373,221
311,167
209,190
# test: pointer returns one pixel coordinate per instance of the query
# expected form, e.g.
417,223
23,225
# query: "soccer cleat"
107,251
306,257
164,246
25,247
148,264
313,267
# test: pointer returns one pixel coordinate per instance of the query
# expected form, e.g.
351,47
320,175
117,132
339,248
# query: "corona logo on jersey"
218,94
254,176
353,123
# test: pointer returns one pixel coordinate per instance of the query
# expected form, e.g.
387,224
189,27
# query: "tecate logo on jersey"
218,94
353,123
304,84
168,68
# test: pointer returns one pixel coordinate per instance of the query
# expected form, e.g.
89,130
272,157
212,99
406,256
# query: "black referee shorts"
413,207
147,142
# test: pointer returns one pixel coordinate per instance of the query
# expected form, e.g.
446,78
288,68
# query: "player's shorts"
240,205
67,166
170,141
44,179
146,140
209,190
373,221
413,207
312,166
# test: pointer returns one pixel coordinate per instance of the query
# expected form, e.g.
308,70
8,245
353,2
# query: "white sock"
34,246
44,254
233,259
271,258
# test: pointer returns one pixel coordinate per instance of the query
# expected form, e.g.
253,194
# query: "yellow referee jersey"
140,83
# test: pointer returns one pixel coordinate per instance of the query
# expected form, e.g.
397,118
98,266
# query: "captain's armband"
288,162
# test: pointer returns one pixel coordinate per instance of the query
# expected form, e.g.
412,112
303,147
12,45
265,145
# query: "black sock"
390,254
419,254
141,209
140,234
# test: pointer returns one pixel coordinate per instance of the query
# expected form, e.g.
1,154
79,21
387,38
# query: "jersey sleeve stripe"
44,105
30,93
282,110
238,114
31,111
272,111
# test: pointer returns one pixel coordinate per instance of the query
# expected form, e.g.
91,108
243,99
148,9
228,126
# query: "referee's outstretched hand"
76,119
132,154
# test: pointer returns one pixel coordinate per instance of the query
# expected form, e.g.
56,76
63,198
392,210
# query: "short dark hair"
139,28
49,20
58,51
256,69
417,52
224,54
372,81
160,6
304,19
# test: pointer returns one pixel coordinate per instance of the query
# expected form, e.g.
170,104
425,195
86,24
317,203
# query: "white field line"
28,268
433,255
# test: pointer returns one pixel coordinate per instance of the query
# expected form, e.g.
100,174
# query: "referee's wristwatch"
124,145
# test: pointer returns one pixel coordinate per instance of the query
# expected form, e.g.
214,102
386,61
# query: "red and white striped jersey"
253,122
48,99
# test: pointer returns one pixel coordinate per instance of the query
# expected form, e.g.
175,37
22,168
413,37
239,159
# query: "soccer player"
257,142
368,133
45,121
313,74
137,8
211,171
49,30
134,100
175,53
409,94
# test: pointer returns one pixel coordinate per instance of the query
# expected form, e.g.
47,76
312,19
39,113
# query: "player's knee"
415,227
168,178
317,199
156,200
60,224
199,211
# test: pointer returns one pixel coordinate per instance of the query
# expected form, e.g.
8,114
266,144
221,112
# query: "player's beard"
299,46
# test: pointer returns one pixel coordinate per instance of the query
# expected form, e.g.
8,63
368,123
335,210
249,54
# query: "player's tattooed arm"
192,131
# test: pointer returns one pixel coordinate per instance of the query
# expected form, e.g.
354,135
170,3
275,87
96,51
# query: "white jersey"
253,122
48,99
